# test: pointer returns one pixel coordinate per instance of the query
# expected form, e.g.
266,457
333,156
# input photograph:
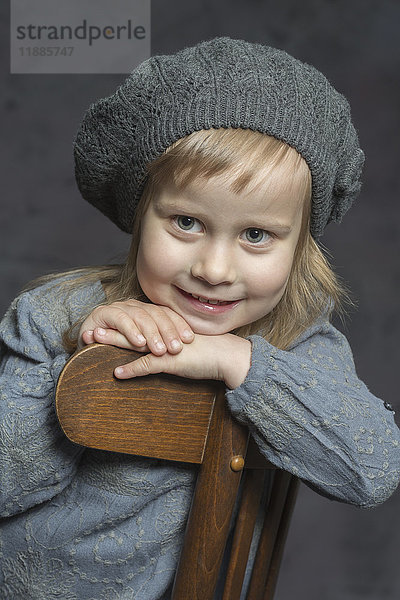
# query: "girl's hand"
138,326
224,357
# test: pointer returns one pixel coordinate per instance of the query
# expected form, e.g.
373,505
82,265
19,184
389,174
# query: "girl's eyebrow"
278,226
164,202
178,205
260,221
267,222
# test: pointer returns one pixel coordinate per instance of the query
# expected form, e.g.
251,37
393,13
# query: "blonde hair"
246,157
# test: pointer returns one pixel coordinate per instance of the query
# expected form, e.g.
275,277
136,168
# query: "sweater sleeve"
37,461
311,415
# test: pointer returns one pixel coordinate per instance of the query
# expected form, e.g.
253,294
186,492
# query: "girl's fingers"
173,329
197,361
157,322
111,317
120,329
87,338
145,365
184,331
157,327
224,357
151,327
115,338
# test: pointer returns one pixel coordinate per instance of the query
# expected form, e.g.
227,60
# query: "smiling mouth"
212,301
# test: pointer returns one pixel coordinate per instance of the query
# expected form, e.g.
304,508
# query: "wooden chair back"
172,418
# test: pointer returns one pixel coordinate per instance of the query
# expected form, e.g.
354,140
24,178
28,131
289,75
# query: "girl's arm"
311,415
306,407
37,461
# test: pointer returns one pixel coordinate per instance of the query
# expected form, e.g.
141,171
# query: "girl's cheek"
271,280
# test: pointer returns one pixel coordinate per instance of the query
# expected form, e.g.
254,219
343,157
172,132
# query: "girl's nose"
215,266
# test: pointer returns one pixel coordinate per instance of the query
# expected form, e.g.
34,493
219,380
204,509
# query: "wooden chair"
187,420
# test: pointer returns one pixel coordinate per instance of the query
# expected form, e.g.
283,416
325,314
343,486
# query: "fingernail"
160,346
176,345
187,334
141,339
101,331
119,371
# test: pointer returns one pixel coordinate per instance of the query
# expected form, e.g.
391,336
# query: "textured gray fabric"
82,524
218,83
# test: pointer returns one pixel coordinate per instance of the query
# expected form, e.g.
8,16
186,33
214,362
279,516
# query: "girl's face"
218,258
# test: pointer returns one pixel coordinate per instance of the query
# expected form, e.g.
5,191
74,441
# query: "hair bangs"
245,157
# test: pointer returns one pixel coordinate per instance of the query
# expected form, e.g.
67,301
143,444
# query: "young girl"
226,161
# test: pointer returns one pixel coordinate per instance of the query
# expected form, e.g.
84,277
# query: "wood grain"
245,523
212,506
267,562
158,415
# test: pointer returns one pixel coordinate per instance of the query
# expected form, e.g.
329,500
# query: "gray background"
334,551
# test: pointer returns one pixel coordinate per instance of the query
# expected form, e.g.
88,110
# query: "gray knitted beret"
217,83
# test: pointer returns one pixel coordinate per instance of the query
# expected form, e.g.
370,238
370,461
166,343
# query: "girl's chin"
206,332
210,328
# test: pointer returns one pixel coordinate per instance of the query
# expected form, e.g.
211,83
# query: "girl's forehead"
271,196
264,188
274,176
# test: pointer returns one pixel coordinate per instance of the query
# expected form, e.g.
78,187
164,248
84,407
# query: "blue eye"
187,223
255,236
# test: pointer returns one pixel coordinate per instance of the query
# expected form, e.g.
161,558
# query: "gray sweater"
82,524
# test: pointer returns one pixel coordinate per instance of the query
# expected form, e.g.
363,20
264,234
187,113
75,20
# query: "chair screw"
237,463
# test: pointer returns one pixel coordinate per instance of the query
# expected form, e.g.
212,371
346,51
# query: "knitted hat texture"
218,83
